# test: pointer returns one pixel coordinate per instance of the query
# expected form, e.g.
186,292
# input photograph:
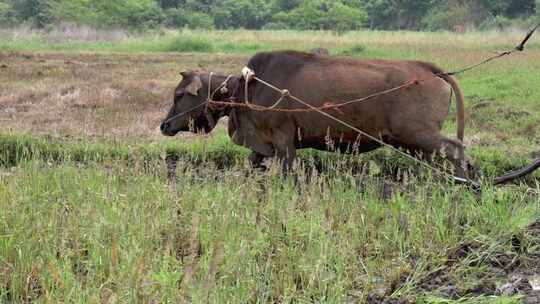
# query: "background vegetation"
339,16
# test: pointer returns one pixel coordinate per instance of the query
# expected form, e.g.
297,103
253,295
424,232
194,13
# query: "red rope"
326,106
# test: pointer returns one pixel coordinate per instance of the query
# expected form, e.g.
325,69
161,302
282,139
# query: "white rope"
249,75
222,88
209,85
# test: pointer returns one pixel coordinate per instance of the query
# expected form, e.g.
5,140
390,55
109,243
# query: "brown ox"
410,118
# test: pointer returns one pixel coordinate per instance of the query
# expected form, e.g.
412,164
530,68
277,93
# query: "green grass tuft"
184,44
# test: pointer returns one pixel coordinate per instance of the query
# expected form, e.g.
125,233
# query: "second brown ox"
410,118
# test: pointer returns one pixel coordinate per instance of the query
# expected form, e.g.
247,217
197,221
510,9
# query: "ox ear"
194,86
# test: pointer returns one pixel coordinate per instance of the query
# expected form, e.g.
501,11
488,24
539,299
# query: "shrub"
275,26
503,23
249,14
352,50
183,44
175,17
455,16
5,9
104,13
343,18
321,14
195,20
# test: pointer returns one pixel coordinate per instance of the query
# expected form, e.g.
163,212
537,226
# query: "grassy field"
87,214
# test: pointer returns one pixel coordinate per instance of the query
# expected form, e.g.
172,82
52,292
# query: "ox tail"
509,176
459,104
506,178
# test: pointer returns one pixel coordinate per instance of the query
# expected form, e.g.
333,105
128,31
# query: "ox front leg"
283,140
256,160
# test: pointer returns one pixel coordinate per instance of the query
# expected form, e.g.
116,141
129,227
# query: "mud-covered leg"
172,163
256,160
453,150
285,148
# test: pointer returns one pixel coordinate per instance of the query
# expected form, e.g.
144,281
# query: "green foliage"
275,26
353,50
486,14
514,8
5,12
497,22
343,18
175,17
34,11
323,15
249,14
189,44
390,14
455,16
197,20
339,16
126,13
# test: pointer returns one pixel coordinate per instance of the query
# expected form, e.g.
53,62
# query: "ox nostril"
164,126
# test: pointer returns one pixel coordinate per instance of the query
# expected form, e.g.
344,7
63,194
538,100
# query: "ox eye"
178,97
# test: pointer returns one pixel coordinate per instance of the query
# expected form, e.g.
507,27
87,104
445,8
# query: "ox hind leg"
430,144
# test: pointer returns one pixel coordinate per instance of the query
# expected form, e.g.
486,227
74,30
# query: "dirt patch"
492,269
113,95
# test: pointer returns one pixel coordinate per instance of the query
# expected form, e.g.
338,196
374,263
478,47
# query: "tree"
284,5
382,13
309,15
456,16
518,8
249,14
398,14
104,13
338,15
5,12
197,20
34,11
323,14
341,18
165,4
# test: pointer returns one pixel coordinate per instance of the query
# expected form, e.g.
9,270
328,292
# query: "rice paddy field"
89,212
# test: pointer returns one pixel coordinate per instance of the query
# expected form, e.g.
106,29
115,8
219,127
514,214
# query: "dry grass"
94,95
65,32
